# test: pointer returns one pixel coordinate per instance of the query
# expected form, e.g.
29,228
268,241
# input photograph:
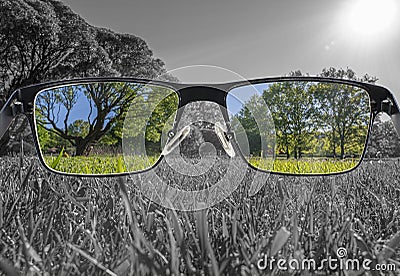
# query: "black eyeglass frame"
22,102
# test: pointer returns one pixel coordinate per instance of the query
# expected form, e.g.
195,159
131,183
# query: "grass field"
305,166
99,164
108,164
55,225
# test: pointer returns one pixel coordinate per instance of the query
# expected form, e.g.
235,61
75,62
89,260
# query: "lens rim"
83,82
363,86
22,102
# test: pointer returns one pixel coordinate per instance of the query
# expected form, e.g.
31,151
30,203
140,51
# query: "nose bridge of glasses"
202,93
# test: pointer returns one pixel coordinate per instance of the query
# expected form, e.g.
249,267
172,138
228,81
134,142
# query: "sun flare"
371,17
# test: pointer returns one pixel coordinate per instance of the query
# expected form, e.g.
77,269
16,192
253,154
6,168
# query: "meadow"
306,165
60,225
98,164
109,164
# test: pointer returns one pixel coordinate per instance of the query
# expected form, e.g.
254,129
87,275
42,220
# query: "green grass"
109,164
57,225
99,164
305,166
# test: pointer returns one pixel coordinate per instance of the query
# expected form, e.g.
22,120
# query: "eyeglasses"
117,126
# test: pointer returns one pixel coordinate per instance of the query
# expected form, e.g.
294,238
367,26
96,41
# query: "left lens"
321,127
80,127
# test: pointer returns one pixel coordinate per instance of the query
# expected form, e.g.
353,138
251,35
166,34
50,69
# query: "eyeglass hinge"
16,105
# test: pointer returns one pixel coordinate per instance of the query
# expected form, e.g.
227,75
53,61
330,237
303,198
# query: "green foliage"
79,128
50,140
254,117
346,113
161,117
311,118
291,107
105,109
56,161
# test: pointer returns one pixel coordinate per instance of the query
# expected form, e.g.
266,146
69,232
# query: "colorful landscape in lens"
295,127
80,127
319,127
98,164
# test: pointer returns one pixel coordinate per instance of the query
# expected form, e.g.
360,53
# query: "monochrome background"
52,224
262,38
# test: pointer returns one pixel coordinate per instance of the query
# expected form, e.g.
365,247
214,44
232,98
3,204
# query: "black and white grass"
60,225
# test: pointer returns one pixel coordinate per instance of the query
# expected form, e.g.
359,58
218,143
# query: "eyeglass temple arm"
396,122
394,113
390,106
8,113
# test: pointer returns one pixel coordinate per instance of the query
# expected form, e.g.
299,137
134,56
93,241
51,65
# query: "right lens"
253,125
321,126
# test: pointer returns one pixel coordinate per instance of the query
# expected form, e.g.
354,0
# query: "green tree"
108,103
291,106
105,107
314,118
79,127
246,119
346,110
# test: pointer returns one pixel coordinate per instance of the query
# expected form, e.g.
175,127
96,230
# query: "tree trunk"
81,146
342,146
287,152
333,146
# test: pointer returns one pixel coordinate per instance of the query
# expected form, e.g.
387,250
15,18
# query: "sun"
371,17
